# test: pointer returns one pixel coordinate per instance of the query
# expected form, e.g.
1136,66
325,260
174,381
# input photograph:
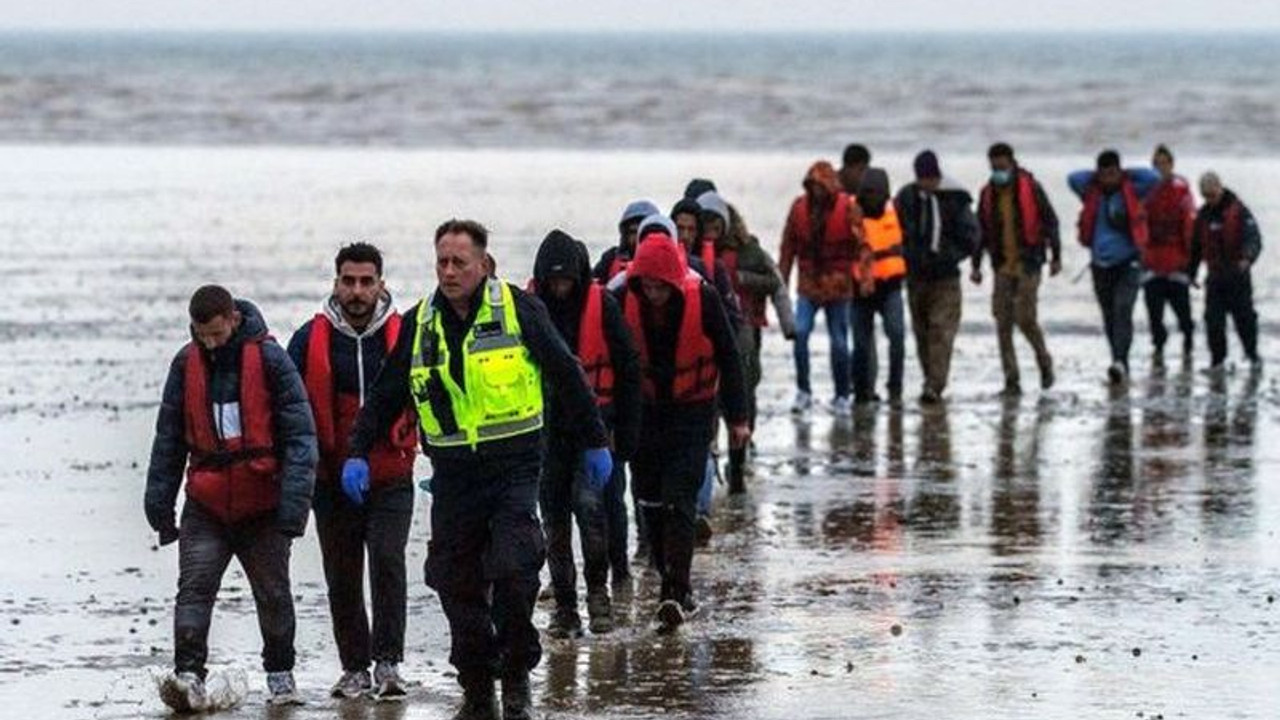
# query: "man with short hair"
472,360
1171,219
938,231
1113,225
1019,230
1227,239
853,163
338,352
235,417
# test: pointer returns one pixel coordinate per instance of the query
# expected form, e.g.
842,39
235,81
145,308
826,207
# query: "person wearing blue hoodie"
1113,225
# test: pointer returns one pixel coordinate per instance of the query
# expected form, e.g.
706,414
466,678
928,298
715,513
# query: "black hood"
560,255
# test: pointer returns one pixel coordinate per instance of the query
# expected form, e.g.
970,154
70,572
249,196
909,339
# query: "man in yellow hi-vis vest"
472,360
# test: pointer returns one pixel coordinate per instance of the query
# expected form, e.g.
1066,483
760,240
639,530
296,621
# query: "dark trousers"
483,559
565,498
888,303
1232,296
347,532
205,548
615,518
935,319
666,473
1161,291
1116,289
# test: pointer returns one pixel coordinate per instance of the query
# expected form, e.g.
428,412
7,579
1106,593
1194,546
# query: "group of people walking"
855,248
532,400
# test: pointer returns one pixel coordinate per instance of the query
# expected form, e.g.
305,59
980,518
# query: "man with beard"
472,360
338,353
590,321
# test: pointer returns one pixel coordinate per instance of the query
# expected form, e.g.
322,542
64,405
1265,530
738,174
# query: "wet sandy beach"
1078,553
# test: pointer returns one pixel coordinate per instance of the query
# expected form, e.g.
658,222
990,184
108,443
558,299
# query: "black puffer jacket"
957,239
293,427
562,256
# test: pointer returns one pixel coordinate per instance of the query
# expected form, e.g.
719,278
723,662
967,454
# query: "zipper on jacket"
360,366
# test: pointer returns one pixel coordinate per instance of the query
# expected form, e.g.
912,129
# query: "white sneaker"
842,407
387,681
282,689
803,403
184,692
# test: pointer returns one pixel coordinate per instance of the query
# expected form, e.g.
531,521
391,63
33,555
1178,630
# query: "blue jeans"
707,490
887,302
837,327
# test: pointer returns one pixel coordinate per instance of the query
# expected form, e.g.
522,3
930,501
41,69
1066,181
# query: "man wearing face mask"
338,353
1113,225
1019,230
939,231
878,269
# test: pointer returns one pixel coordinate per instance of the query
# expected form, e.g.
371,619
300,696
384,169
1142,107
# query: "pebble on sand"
895,630
1137,652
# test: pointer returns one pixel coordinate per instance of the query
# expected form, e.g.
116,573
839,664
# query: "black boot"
737,470
478,702
517,697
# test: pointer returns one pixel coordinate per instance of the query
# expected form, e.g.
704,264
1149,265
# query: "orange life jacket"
593,348
391,458
883,237
696,374
234,478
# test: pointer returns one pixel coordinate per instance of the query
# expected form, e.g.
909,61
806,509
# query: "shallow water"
1080,553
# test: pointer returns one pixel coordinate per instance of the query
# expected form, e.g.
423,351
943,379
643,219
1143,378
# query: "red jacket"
825,262
232,476
593,348
391,459
1171,219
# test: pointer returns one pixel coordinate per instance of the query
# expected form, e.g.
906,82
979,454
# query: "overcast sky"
699,15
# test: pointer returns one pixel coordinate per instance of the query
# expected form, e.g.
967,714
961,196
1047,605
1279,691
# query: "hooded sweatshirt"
665,262
824,263
561,256
635,210
293,427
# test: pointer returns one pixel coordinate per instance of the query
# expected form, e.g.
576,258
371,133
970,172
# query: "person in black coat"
562,280
235,416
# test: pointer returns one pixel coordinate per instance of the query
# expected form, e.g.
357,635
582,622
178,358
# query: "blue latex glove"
599,466
355,479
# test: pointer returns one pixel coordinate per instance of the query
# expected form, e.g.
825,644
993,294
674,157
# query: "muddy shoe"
1117,374
281,689
388,685
517,698
1012,389
1047,378
352,684
670,616
479,703
184,692
702,530
600,610
565,623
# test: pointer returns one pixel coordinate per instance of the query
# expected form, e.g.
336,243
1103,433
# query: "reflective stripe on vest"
503,387
883,236
696,374
593,348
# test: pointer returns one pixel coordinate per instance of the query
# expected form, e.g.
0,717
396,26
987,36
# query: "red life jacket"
1093,198
753,306
1223,244
234,478
1170,222
836,249
697,376
593,348
708,254
1026,207
391,458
